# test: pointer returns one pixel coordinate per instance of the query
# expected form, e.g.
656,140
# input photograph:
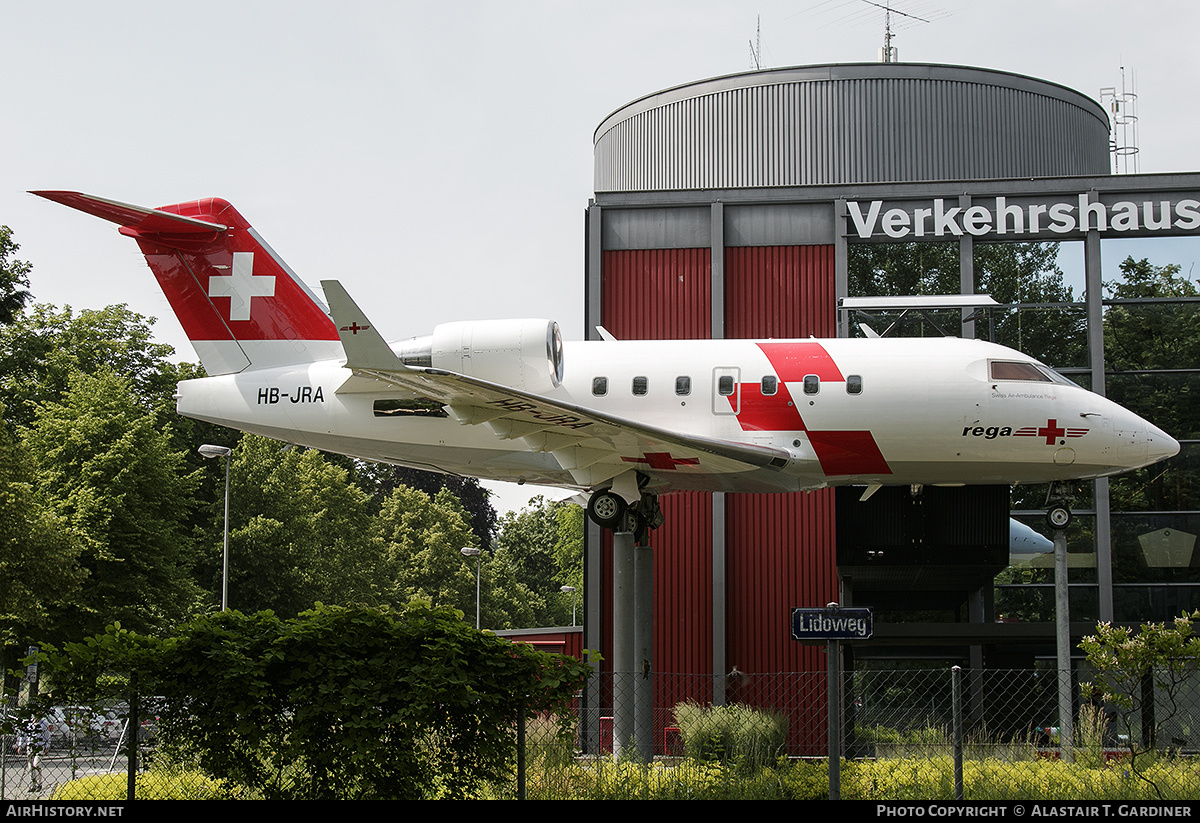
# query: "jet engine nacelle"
524,354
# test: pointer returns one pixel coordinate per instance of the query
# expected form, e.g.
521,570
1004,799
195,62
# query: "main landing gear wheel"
634,522
606,509
609,510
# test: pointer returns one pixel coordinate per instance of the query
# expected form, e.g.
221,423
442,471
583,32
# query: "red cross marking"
1051,431
663,460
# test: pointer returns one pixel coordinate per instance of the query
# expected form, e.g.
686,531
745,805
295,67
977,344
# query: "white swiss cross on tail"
241,286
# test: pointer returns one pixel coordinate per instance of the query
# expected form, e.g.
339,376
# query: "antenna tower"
888,54
756,44
1123,142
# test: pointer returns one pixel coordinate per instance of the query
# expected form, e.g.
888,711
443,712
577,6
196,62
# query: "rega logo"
988,433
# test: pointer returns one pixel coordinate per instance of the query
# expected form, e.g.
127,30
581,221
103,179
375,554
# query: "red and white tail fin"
239,303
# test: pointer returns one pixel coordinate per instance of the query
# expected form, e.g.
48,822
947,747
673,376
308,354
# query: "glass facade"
1150,314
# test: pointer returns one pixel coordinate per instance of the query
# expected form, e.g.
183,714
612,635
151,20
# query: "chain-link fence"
903,734
46,747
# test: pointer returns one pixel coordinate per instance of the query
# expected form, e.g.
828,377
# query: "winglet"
364,346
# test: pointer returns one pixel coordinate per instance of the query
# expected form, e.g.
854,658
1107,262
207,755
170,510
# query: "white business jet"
620,421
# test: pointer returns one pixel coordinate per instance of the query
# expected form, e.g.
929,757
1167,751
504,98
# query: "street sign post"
832,624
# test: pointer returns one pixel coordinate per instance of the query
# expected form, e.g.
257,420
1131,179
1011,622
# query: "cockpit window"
1017,370
1058,378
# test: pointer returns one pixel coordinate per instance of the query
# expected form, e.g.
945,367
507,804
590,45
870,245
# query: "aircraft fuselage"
847,411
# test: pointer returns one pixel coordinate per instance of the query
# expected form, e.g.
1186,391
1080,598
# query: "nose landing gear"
1058,505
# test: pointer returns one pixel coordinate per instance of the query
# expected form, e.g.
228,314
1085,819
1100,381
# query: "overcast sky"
437,157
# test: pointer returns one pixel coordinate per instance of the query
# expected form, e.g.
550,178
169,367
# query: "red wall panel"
657,294
780,291
779,548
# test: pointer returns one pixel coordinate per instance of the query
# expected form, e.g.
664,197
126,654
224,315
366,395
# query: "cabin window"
410,407
725,385
640,385
770,385
1017,370
854,384
683,386
599,386
812,384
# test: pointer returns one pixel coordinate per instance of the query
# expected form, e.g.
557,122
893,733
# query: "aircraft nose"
1145,443
1159,444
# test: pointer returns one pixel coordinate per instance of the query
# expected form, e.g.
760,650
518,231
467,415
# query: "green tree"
39,572
538,551
300,533
1144,680
379,480
109,474
45,346
422,536
14,279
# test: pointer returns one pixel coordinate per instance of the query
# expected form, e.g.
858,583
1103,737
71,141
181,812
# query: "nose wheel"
1058,505
1058,517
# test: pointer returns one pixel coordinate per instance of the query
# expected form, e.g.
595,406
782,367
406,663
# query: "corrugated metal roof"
878,122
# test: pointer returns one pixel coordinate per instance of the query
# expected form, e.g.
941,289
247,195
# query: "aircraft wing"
593,446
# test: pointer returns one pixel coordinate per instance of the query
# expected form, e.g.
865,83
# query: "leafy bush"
340,702
749,738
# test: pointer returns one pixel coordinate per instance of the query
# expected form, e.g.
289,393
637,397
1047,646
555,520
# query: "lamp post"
570,589
222,451
468,551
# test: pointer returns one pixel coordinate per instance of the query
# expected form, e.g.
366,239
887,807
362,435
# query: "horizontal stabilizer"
145,220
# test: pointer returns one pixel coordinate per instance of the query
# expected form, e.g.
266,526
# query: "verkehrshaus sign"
831,624
999,217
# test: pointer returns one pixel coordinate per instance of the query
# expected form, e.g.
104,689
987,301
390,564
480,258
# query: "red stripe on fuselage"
848,452
768,413
795,359
839,452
